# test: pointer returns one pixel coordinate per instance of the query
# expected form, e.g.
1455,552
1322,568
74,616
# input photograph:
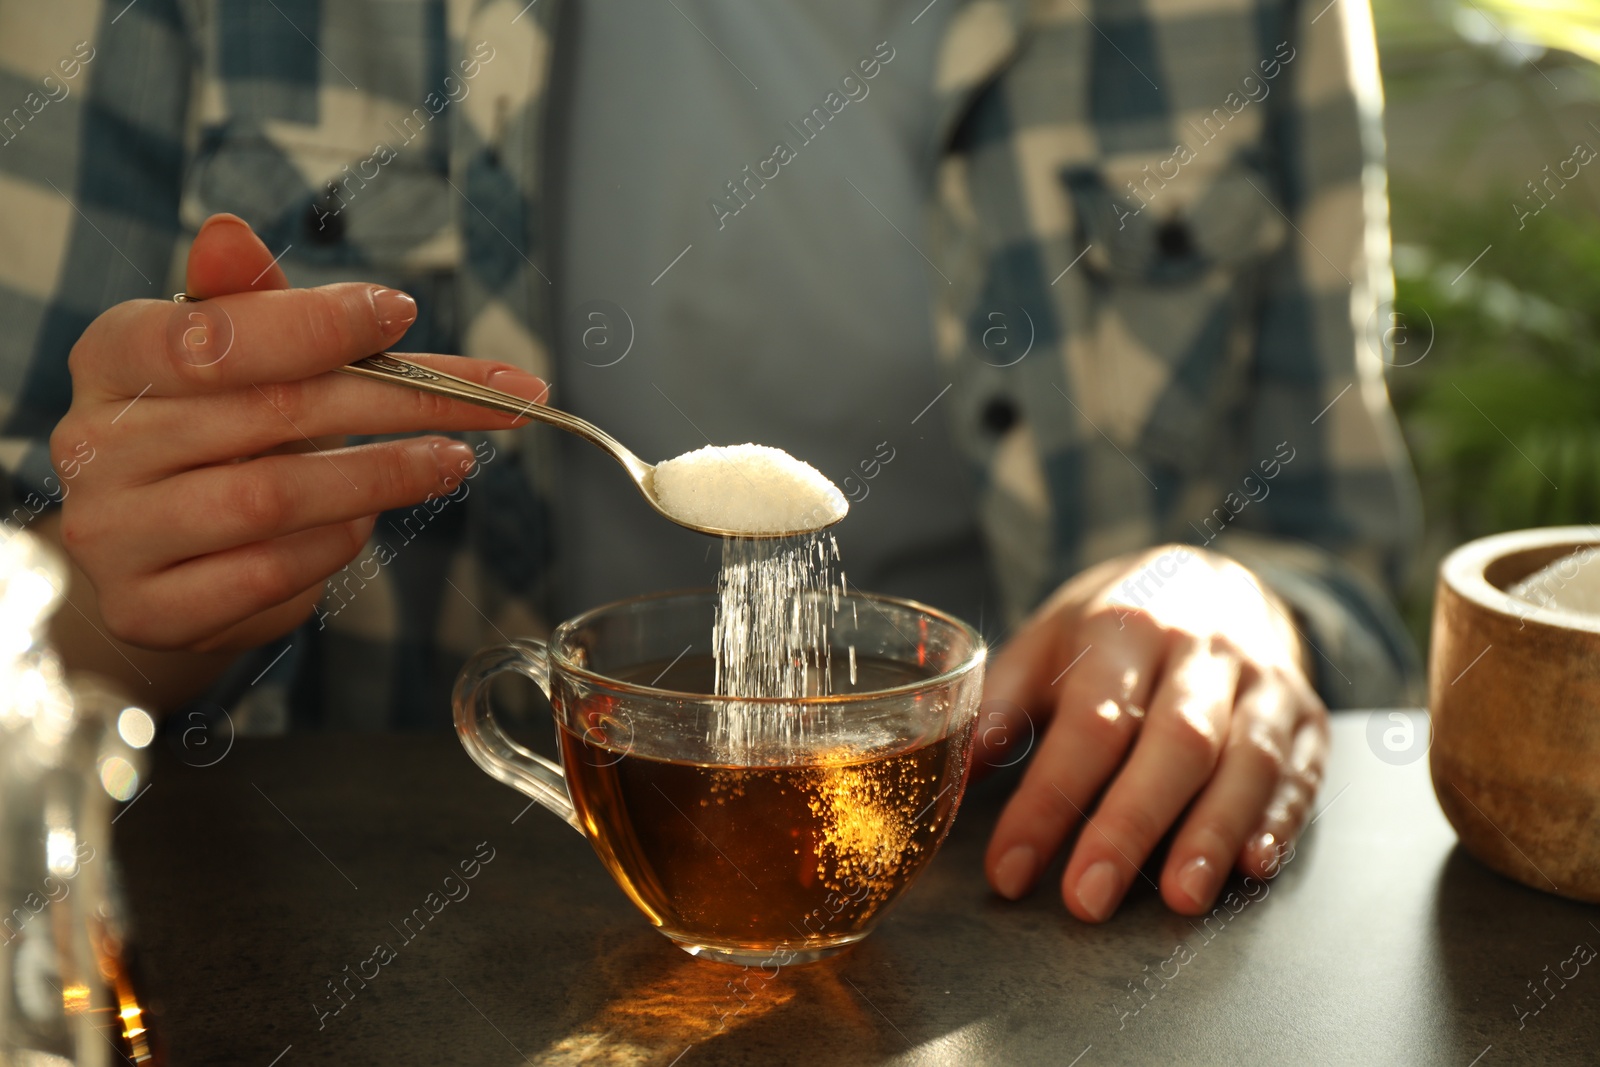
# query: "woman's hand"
206,514
1176,677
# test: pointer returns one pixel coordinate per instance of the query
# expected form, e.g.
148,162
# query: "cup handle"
500,757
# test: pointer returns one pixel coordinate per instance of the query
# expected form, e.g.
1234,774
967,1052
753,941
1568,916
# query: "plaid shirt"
1160,239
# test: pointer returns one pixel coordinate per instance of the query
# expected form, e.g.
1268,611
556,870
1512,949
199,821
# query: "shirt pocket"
1176,256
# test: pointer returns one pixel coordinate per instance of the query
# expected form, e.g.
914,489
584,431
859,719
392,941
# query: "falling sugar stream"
776,602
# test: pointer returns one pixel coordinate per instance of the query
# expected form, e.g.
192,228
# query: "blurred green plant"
1503,415
1570,25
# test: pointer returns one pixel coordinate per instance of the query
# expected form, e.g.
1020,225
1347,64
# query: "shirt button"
999,415
1174,241
324,225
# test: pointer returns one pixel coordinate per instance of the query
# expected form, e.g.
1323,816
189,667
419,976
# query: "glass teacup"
752,831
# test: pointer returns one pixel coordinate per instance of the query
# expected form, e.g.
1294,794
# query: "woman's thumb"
227,257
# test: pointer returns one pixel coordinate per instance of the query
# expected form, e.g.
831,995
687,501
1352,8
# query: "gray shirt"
713,286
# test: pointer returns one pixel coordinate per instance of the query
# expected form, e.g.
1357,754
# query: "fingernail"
1274,851
395,310
222,217
454,457
1097,890
1197,879
1264,849
517,383
1015,871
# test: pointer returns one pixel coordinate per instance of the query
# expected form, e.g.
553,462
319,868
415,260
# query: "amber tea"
751,829
739,858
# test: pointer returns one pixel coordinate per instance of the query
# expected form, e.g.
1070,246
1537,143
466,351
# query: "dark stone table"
257,881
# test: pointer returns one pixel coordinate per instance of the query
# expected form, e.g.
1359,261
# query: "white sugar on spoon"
746,491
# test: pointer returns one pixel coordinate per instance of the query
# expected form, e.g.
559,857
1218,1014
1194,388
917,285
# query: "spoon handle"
387,368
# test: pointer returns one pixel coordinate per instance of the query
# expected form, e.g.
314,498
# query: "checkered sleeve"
92,105
1338,512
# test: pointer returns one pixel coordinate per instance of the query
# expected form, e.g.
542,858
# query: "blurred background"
1494,152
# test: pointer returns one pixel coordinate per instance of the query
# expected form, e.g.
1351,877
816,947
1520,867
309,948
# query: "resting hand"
1176,677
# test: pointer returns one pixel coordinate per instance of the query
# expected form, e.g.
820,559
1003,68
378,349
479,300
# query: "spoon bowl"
388,368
